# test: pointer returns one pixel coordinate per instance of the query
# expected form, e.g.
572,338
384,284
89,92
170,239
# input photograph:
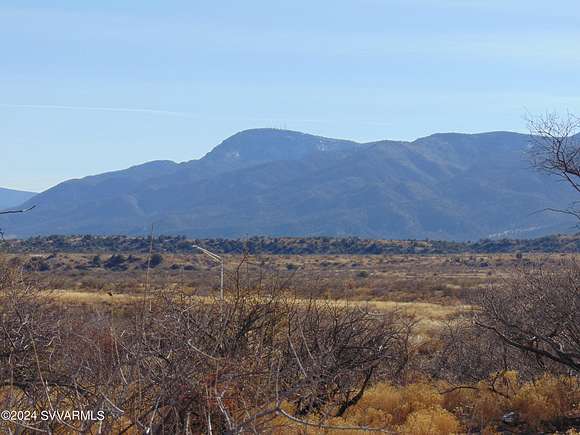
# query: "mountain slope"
12,198
277,182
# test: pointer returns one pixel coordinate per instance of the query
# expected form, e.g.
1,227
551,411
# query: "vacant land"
301,343
433,288
444,279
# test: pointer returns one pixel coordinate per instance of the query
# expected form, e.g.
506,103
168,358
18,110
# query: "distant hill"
284,183
11,198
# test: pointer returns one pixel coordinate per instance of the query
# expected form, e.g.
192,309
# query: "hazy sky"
91,86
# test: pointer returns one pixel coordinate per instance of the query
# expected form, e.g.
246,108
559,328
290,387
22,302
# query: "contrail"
188,115
101,109
146,110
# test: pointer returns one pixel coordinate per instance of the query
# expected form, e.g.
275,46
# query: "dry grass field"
440,375
444,279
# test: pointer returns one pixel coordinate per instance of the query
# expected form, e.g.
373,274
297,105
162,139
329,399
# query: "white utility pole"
220,260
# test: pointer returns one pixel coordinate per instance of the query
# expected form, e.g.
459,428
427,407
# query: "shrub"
434,421
418,397
487,400
116,262
388,405
536,312
96,261
377,408
155,260
547,399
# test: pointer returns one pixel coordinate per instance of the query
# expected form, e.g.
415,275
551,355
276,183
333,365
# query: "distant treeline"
288,245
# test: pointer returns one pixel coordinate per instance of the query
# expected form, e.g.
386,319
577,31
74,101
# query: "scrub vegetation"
460,351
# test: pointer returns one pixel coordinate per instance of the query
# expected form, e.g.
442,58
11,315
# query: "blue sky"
91,86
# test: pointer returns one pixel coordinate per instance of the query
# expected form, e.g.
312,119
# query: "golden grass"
421,309
422,409
80,297
430,316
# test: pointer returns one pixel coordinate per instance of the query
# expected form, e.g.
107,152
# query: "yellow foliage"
385,404
419,408
484,404
384,397
376,408
489,406
434,421
490,430
540,401
417,397
547,398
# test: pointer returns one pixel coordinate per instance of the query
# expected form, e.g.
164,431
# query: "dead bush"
175,363
537,312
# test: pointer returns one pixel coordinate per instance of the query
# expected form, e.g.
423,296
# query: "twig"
17,211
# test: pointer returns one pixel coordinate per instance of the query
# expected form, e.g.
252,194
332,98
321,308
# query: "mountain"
11,198
286,183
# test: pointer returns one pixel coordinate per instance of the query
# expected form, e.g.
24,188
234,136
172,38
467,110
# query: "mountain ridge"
286,183
12,197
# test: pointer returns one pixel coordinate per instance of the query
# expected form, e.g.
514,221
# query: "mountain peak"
281,182
270,144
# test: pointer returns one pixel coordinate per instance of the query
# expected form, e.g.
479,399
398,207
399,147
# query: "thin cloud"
190,115
100,109
148,111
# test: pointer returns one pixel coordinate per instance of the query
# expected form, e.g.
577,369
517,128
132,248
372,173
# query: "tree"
537,312
17,211
155,260
555,149
13,212
255,362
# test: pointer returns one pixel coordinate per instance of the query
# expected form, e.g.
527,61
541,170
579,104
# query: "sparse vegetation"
165,355
291,245
283,282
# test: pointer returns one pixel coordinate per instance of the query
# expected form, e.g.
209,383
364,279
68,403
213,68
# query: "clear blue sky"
91,86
